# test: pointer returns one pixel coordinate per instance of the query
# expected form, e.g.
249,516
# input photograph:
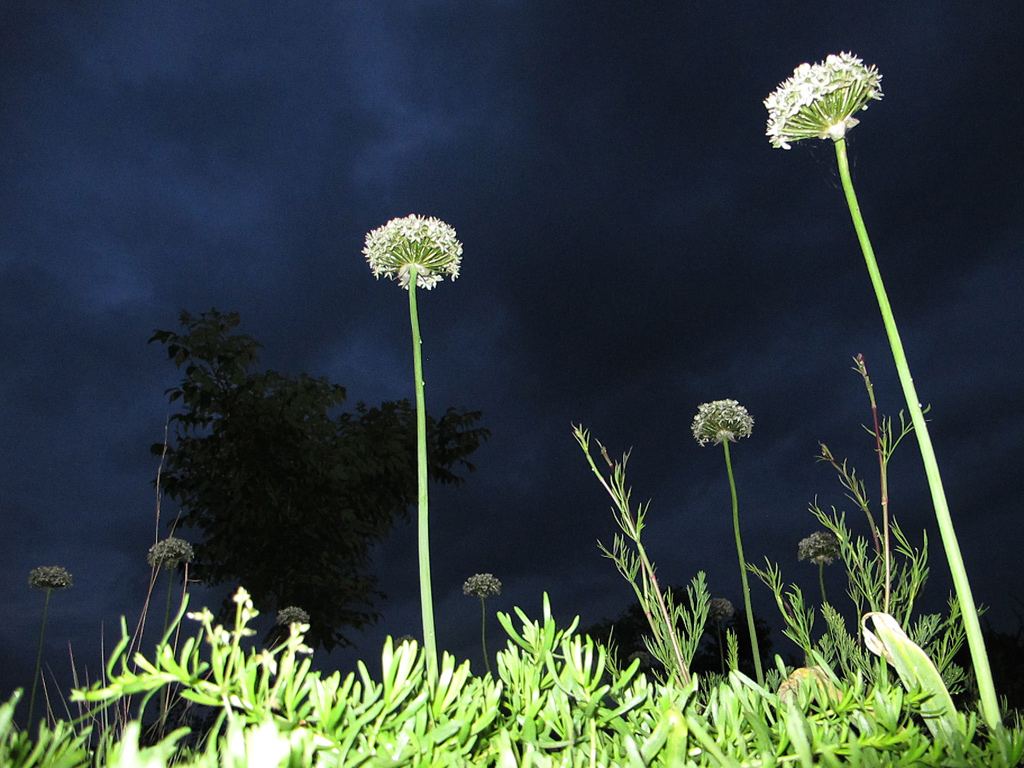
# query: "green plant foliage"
676,629
838,646
917,672
57,747
627,637
886,574
288,493
556,702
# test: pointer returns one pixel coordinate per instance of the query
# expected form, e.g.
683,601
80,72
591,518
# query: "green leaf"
917,672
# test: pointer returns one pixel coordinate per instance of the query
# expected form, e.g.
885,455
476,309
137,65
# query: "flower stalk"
957,569
167,554
755,649
47,578
821,548
423,495
483,585
418,251
725,421
819,101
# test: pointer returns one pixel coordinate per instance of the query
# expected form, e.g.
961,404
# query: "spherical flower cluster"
428,244
292,615
719,608
818,102
721,420
169,552
50,577
482,585
821,548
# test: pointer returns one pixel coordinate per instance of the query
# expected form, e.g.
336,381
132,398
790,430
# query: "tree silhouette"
288,492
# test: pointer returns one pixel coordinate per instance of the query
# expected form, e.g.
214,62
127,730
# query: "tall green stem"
972,625
423,528
39,660
483,633
754,647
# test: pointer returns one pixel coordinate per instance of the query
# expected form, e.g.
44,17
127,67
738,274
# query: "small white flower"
426,243
203,616
818,102
219,636
267,661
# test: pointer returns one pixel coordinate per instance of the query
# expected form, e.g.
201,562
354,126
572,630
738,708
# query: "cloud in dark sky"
633,247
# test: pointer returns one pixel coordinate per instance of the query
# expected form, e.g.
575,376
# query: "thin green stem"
854,486
664,629
483,632
165,698
754,647
883,474
423,528
972,625
821,581
167,607
39,660
721,646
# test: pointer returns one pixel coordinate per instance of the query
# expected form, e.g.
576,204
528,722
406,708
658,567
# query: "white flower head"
720,608
482,585
426,243
50,577
721,420
819,101
821,548
169,552
292,615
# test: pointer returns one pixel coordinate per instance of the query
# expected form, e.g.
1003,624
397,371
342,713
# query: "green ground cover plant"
875,688
556,701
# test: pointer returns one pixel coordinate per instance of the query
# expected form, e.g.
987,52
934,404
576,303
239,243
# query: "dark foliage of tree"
289,493
627,639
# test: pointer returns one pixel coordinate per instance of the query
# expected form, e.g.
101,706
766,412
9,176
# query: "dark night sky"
633,247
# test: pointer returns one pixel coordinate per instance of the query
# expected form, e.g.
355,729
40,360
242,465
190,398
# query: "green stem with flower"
418,251
819,102
821,548
725,421
483,585
47,578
